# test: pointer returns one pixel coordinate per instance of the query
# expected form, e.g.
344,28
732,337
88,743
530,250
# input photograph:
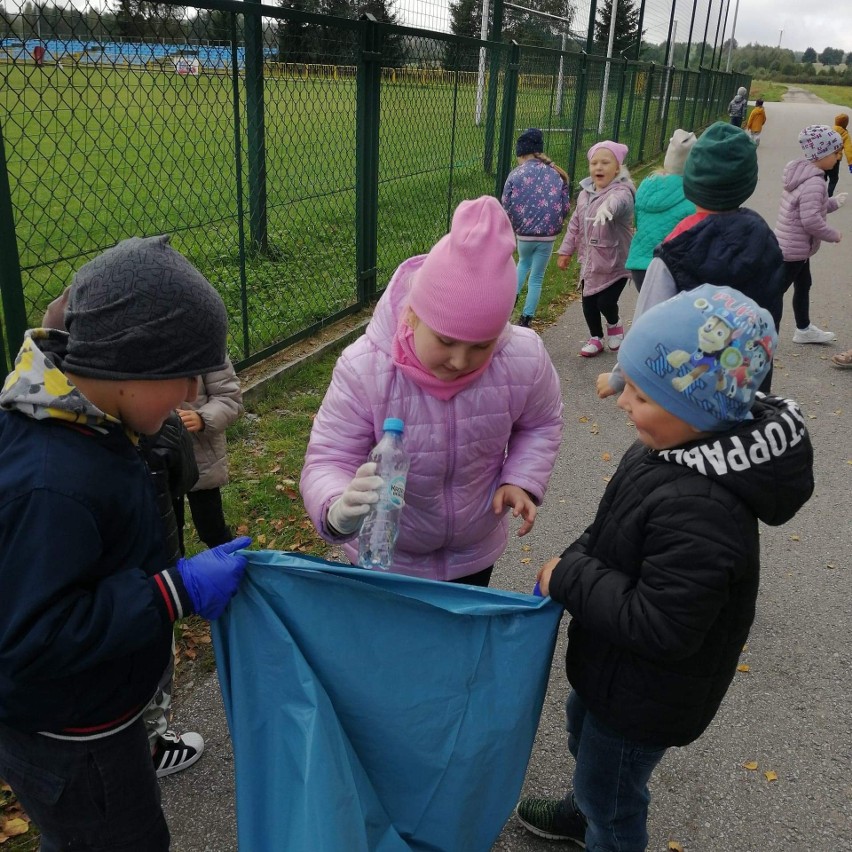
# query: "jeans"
87,796
533,257
610,781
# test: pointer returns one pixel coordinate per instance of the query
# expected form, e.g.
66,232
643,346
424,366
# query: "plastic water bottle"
380,528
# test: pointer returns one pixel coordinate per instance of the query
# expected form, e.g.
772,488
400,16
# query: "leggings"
832,176
604,302
533,256
798,274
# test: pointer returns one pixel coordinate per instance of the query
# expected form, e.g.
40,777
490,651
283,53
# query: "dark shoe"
552,819
172,753
525,321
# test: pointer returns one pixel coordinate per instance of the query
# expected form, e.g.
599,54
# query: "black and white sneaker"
174,752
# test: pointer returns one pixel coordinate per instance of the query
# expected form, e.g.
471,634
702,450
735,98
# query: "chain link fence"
296,159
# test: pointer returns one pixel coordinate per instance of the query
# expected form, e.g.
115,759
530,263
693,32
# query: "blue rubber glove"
850,168
537,590
212,577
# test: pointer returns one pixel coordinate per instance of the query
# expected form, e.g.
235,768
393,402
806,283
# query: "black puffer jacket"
662,586
736,249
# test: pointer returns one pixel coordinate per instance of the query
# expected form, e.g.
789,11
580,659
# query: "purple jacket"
505,427
802,223
536,200
601,249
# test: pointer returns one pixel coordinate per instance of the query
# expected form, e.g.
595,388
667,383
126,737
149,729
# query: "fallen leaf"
606,457
674,846
770,775
812,417
260,539
607,478
743,667
526,561
750,764
830,565
794,538
526,548
584,420
594,429
14,827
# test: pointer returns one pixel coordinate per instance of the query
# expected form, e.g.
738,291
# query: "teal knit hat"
721,169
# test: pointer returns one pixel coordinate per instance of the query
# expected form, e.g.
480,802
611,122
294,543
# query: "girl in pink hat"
479,397
600,232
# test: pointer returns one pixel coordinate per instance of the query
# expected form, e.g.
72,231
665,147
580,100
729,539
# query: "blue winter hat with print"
701,355
529,142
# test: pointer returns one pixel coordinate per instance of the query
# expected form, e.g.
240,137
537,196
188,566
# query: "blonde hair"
543,158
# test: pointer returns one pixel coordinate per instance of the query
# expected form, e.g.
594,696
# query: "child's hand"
544,574
515,498
191,420
602,386
563,260
603,215
840,198
213,576
347,512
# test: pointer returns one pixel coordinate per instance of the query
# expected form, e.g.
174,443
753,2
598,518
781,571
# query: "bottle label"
396,491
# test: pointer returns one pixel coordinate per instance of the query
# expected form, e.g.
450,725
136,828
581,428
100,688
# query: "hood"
391,306
662,193
618,181
797,172
767,461
38,388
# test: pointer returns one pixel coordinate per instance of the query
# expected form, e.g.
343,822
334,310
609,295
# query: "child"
660,205
802,224
756,120
218,405
82,550
841,122
600,231
738,106
536,198
479,398
662,586
737,248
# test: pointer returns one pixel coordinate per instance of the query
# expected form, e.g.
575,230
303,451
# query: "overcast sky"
762,21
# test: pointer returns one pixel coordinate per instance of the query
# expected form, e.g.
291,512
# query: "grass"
841,95
767,90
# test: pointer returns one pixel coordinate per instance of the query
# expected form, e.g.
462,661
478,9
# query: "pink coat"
505,427
601,249
802,223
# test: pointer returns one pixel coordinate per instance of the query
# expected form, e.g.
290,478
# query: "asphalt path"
791,713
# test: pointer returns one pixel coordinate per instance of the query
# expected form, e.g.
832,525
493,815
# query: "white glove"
603,215
347,511
840,198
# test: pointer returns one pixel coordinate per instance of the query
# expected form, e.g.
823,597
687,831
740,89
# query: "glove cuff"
337,526
171,596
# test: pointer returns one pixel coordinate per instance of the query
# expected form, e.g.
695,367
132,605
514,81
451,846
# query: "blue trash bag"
374,712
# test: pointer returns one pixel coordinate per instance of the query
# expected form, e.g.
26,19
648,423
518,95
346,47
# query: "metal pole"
480,81
733,30
560,83
606,67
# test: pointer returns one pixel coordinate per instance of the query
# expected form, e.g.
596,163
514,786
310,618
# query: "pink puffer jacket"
802,223
505,427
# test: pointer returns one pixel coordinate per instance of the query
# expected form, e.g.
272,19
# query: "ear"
410,318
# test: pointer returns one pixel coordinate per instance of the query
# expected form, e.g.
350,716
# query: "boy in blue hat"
662,586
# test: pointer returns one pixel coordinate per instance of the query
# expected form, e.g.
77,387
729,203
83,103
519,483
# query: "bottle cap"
393,424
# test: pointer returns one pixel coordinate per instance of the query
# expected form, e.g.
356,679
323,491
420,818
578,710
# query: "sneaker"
525,320
594,346
552,819
812,334
174,752
614,336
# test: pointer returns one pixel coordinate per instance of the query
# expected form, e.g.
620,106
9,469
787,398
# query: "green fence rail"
296,187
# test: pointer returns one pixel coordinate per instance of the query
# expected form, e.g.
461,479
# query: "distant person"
599,232
802,222
756,121
660,205
737,107
841,122
537,199
722,243
662,586
479,397
218,405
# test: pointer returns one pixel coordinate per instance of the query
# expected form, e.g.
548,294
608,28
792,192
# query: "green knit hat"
721,169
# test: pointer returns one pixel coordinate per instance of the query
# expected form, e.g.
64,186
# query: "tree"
466,18
848,60
809,55
627,33
831,56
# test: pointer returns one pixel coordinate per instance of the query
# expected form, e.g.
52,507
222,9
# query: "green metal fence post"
255,132
495,35
11,286
579,113
507,119
649,89
619,103
368,79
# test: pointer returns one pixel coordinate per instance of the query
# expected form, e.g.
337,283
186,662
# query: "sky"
765,21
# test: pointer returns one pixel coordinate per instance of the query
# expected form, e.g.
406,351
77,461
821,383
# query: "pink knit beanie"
465,289
618,150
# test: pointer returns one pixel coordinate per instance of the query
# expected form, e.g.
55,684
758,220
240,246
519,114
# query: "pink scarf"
407,361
